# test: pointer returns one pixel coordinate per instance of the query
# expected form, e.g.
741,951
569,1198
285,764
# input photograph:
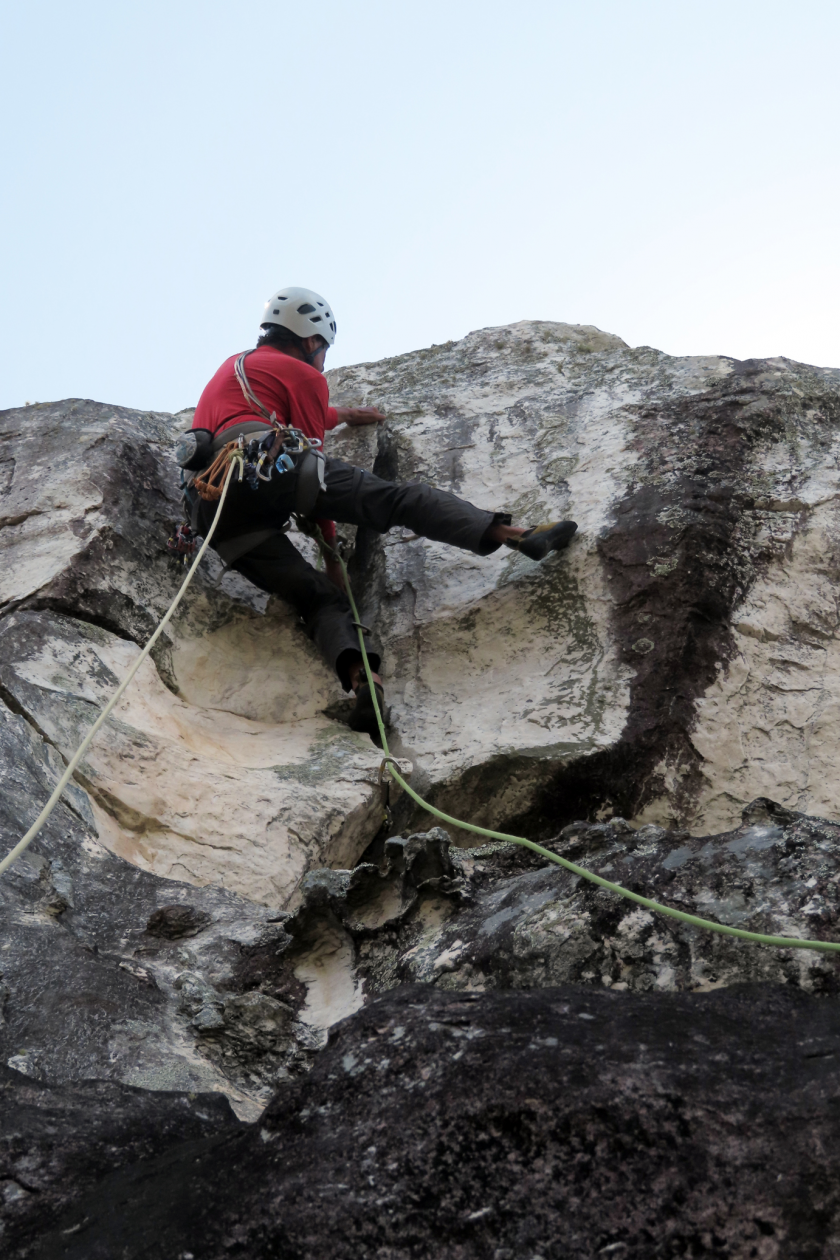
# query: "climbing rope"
23,844
758,938
233,454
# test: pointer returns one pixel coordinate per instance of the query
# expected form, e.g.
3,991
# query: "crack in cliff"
47,604
14,706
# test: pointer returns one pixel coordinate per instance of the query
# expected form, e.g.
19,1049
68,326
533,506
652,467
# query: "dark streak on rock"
673,626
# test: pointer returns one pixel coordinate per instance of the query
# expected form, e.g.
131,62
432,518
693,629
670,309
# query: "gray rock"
564,1123
238,778
679,659
56,1142
501,917
88,991
216,891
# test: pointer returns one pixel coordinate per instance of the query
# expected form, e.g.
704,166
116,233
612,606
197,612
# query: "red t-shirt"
297,393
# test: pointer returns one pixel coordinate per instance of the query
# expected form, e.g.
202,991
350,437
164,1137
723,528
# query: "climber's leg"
278,567
358,497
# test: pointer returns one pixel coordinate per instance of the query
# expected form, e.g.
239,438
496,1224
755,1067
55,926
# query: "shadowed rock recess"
240,1015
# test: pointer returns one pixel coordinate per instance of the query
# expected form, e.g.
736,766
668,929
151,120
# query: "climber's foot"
363,717
536,543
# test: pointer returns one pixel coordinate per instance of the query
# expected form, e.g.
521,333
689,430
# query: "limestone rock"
111,972
680,659
500,917
216,906
220,766
56,1142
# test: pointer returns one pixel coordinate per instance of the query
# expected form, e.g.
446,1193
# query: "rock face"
58,1143
679,660
217,889
248,802
565,1123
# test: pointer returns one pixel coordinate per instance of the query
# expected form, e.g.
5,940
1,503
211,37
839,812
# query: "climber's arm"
359,415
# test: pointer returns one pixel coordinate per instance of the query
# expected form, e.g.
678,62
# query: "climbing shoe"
537,542
363,717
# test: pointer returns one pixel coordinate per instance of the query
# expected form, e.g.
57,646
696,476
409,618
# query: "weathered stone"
678,660
502,917
565,1124
219,765
56,1142
173,922
86,991
216,891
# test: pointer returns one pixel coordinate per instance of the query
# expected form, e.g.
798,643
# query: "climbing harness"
208,484
389,765
284,454
266,451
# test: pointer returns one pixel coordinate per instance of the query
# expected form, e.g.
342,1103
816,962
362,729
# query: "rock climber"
283,378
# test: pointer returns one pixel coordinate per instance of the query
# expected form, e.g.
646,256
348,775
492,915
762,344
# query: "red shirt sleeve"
328,530
332,418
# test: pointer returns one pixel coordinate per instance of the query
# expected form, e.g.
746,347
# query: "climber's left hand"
359,415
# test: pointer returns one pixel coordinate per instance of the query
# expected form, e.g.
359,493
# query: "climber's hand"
334,572
359,415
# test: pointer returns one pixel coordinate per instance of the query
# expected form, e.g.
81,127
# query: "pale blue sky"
666,171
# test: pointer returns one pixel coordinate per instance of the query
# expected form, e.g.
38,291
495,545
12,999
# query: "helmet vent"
275,311
316,319
306,309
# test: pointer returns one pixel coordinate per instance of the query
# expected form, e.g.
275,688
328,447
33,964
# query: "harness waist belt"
234,549
234,431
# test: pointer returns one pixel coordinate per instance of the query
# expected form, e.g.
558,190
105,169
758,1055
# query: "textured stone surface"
109,971
219,765
679,660
58,1142
563,1123
503,918
215,892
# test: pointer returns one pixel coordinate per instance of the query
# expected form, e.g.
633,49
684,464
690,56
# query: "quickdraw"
209,484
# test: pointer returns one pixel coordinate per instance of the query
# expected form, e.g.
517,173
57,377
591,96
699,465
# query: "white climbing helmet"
302,311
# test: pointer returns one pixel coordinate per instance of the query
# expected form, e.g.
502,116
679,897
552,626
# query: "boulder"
219,766
59,1141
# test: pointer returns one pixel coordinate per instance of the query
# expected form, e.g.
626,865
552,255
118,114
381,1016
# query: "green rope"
693,920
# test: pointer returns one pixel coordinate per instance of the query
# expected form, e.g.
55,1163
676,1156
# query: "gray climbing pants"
356,497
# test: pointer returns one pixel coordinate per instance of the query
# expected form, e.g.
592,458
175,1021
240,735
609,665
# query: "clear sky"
666,170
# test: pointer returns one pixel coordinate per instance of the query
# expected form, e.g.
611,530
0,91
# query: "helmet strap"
310,358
